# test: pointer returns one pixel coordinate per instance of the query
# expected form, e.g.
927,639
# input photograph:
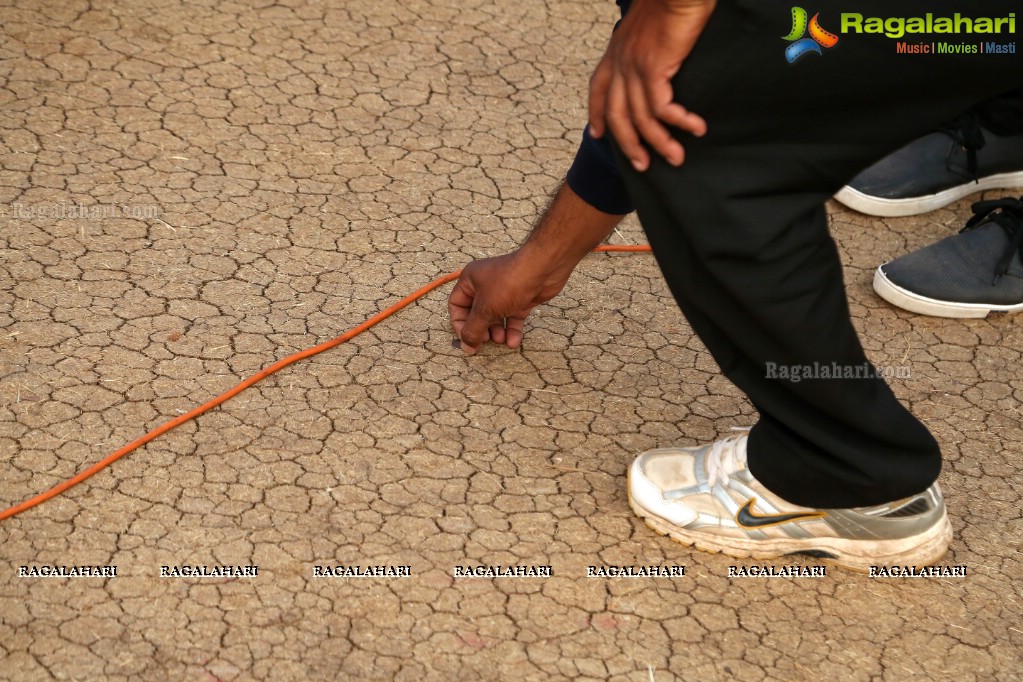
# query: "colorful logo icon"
802,46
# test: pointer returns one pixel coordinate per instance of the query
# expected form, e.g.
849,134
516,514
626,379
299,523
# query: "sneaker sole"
923,549
915,303
896,208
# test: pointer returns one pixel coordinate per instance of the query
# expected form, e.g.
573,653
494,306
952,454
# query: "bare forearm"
568,230
494,296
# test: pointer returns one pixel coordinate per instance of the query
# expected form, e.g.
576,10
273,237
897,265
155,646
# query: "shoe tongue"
724,458
991,243
1016,264
735,457
740,450
1011,261
966,132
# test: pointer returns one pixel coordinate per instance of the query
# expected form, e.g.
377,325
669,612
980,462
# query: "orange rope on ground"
621,248
272,369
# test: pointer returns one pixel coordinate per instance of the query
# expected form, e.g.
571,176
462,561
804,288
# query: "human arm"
494,296
631,92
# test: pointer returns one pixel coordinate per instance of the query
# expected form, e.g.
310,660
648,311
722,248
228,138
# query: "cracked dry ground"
268,175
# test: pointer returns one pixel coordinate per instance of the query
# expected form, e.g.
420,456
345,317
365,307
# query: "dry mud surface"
192,190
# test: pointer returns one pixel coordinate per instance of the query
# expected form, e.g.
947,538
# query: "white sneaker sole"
895,208
915,303
856,555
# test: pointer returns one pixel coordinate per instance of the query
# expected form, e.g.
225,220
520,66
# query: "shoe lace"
726,457
1009,217
965,130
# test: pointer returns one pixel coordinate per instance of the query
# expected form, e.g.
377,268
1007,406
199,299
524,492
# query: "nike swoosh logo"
747,518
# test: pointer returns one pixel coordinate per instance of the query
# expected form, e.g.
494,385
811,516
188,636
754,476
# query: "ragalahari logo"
802,46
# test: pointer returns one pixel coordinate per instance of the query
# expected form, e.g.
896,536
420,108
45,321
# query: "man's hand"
630,92
494,296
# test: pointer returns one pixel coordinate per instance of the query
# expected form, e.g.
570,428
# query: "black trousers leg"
741,235
1003,115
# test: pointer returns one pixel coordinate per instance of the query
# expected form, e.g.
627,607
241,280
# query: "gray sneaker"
706,497
933,171
965,275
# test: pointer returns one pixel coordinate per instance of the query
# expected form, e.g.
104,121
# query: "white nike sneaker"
706,497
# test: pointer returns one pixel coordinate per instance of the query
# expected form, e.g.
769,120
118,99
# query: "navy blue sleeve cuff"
595,178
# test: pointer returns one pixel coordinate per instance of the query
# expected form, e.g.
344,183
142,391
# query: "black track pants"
740,230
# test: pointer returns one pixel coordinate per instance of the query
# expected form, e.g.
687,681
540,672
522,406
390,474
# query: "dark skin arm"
631,92
630,96
494,296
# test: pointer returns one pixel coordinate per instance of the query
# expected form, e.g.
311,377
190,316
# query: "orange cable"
272,369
